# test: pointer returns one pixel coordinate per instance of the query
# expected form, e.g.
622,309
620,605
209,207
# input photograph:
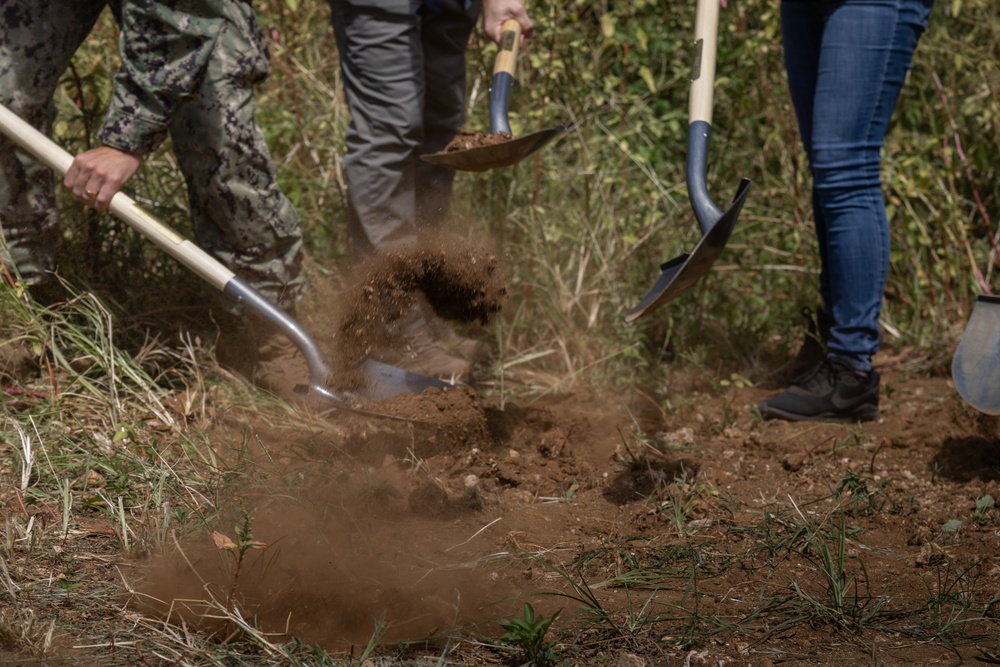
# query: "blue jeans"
846,62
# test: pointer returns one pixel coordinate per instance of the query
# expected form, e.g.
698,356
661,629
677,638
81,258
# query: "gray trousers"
404,76
239,214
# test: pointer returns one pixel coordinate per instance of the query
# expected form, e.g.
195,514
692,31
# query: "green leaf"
985,503
643,39
951,526
647,76
608,22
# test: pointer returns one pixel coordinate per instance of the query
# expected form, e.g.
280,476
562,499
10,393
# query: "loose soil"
466,140
461,281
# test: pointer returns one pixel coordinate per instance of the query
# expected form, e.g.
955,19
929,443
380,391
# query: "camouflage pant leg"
240,214
37,41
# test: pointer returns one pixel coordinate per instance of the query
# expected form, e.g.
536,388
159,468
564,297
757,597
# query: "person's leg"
240,214
383,67
381,60
444,36
865,52
37,42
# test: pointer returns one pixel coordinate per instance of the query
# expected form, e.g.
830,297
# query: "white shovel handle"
706,37
123,206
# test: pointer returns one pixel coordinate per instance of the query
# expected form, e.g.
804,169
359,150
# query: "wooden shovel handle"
510,40
706,38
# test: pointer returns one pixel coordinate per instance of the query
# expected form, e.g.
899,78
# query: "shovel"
975,368
511,151
683,271
380,380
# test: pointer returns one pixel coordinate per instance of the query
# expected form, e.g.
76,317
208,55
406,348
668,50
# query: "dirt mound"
444,420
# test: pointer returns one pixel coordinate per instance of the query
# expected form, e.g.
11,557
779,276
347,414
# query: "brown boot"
457,345
423,355
256,350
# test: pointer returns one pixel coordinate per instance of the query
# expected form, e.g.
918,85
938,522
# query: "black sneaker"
833,392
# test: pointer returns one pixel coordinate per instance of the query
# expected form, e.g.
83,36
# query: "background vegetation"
585,224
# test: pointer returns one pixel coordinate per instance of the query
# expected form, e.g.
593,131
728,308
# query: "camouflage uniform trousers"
186,74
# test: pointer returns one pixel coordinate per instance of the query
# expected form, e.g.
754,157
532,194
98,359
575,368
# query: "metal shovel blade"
683,271
505,154
383,381
512,151
975,368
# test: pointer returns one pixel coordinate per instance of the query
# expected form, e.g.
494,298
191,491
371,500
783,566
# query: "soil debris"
466,140
461,281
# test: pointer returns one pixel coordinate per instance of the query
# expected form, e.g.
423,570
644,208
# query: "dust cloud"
340,557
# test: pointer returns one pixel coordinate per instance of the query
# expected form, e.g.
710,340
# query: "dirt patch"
680,532
466,140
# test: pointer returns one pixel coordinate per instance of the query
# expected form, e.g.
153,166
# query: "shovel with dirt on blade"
499,148
682,272
378,381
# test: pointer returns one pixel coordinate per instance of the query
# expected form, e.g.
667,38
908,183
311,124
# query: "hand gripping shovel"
975,368
505,153
683,271
380,380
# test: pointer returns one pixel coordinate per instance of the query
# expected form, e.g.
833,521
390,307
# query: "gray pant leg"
37,42
386,64
240,214
444,37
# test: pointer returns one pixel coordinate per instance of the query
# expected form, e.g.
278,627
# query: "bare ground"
695,537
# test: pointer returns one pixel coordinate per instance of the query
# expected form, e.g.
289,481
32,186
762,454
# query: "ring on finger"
90,193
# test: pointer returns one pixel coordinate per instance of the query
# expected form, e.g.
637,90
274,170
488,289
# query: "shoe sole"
865,414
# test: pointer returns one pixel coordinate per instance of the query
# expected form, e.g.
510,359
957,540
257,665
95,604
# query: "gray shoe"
425,356
455,344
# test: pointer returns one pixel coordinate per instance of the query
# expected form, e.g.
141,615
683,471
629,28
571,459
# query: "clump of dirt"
446,419
466,140
461,281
